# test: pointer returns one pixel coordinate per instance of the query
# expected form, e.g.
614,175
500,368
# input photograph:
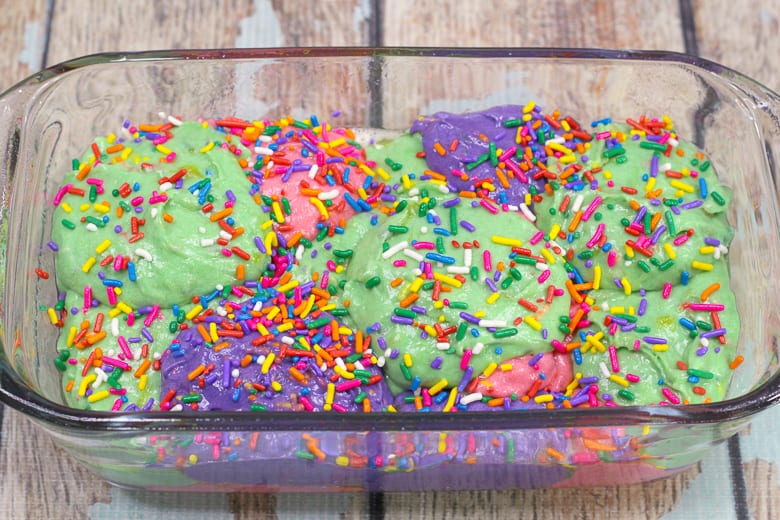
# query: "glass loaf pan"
47,119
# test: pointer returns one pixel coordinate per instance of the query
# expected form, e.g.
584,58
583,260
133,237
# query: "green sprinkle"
397,229
406,313
286,206
628,317
625,394
703,325
524,260
303,454
405,372
459,305
462,329
428,286
359,398
482,158
96,221
512,123
492,153
614,152
342,253
506,282
666,265
317,323
649,145
401,205
474,273
670,222
440,245
257,407
704,166
340,312
718,198
60,365
642,330
173,326
68,224
643,266
505,333
192,398
453,220
373,282
514,273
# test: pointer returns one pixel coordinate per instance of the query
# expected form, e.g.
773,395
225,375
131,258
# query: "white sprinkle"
262,150
417,272
260,359
672,141
201,229
723,249
423,229
414,255
414,192
471,398
235,373
115,327
477,348
174,121
705,342
206,242
221,311
359,365
467,257
577,204
542,266
328,195
177,408
716,254
91,227
156,355
224,234
154,212
604,369
340,363
527,213
313,171
395,249
492,323
299,252
665,167
258,306
443,188
143,253
101,377
441,345
165,186
287,340
265,138
458,269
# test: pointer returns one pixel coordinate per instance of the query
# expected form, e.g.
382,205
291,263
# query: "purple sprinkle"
53,246
654,166
401,320
468,226
657,233
534,360
588,381
132,407
711,241
226,374
381,342
642,307
675,210
259,244
451,202
692,204
418,309
148,405
394,353
211,378
490,284
466,378
713,333
628,327
469,318
701,351
654,340
618,283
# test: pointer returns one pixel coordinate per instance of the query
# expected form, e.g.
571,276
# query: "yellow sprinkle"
343,373
631,310
98,396
66,207
506,241
408,360
208,147
565,125
505,367
110,138
626,286
406,181
339,269
529,106
101,207
438,387
663,347
370,173
629,251
292,284
449,280
488,186
284,327
270,241
682,186
480,314
105,244
543,398
532,322
85,383
330,393
265,225
269,360
670,252
596,277
702,266
192,459
382,173
71,335
194,311
88,264
362,192
451,400
490,369
142,382
342,460
416,285
126,153
548,255
617,309
113,313
272,314
438,304
163,149
707,250
574,384
52,316
554,231
278,212
213,332
430,331
276,386
492,298
650,185
308,307
320,206
618,379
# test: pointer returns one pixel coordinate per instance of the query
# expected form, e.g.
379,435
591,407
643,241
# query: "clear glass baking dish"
46,119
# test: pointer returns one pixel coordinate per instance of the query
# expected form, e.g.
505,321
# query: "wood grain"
39,480
22,38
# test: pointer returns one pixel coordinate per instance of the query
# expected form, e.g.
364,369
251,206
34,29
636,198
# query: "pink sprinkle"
708,307
60,194
667,290
116,363
508,153
95,181
235,291
226,252
593,400
536,238
681,239
603,135
465,359
117,405
544,276
118,260
325,276
668,394
306,403
160,140
487,260
426,397
338,407
637,344
613,359
111,295
488,206
521,176
594,204
137,201
152,315
610,404
613,327
399,263
320,159
87,298
596,236
348,385
125,347
611,258
632,378
560,347
423,245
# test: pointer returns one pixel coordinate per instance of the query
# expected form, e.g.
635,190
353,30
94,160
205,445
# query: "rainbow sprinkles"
494,260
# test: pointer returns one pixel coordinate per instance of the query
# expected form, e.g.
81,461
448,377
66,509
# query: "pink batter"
521,377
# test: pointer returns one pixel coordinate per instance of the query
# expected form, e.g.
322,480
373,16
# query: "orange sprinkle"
706,293
204,333
408,300
576,296
595,445
737,361
195,373
395,282
167,217
240,271
575,221
69,386
145,364
439,149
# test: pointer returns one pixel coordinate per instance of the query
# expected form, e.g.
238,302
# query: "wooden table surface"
737,480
